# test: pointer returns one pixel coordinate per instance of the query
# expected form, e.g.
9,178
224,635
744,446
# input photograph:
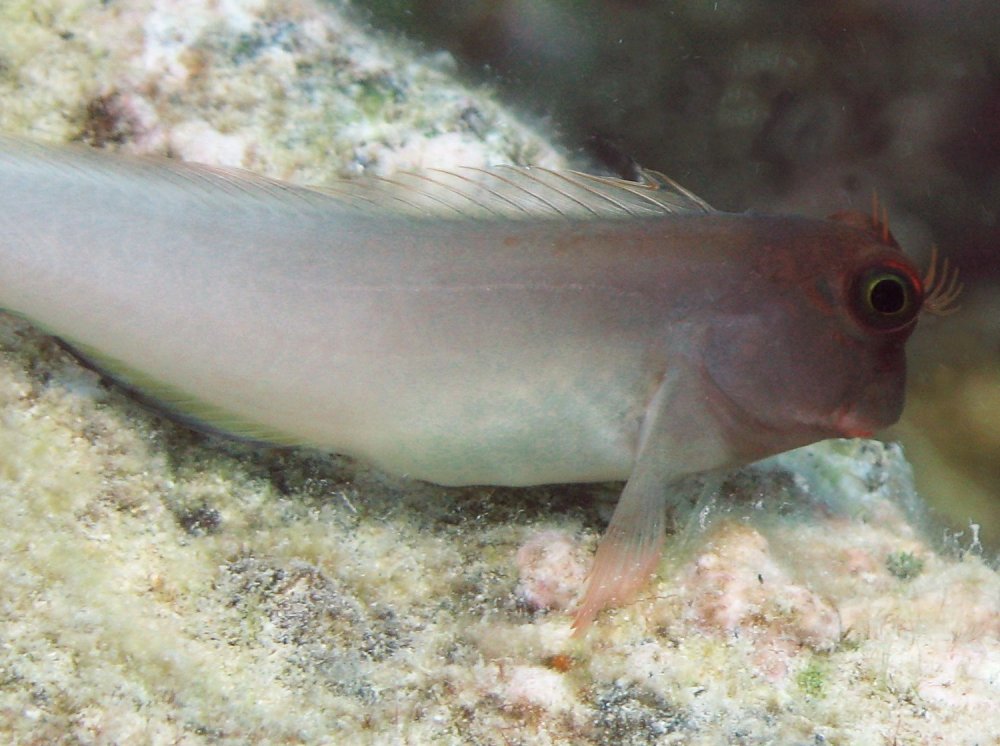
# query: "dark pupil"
888,296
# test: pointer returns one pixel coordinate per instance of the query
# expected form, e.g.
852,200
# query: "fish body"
498,344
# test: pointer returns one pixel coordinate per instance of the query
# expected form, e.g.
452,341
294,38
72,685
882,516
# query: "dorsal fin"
510,192
518,193
158,178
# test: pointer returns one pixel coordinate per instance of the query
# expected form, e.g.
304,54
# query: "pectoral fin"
630,549
680,437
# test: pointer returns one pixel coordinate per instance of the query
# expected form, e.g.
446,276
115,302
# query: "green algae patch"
904,565
812,679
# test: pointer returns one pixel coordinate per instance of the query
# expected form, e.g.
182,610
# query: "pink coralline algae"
735,588
551,571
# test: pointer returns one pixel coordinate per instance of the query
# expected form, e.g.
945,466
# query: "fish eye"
886,298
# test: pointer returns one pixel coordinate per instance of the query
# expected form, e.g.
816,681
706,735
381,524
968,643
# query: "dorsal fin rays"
660,181
494,193
652,195
623,206
430,182
519,193
538,176
413,196
521,188
498,192
161,178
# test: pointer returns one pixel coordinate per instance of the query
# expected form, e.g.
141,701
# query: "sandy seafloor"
163,586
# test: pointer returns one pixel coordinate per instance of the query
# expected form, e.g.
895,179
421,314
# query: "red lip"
848,426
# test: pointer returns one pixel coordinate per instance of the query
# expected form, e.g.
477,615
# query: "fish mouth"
849,425
876,408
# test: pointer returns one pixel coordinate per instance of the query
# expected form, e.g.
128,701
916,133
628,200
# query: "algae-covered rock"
158,585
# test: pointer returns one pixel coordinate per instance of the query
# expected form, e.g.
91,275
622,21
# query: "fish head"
813,345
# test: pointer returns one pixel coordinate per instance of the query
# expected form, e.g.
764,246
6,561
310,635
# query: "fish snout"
878,406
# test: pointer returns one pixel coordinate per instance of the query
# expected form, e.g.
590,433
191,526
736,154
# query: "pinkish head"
813,346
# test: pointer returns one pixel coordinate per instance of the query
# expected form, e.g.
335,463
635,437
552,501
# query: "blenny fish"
507,326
